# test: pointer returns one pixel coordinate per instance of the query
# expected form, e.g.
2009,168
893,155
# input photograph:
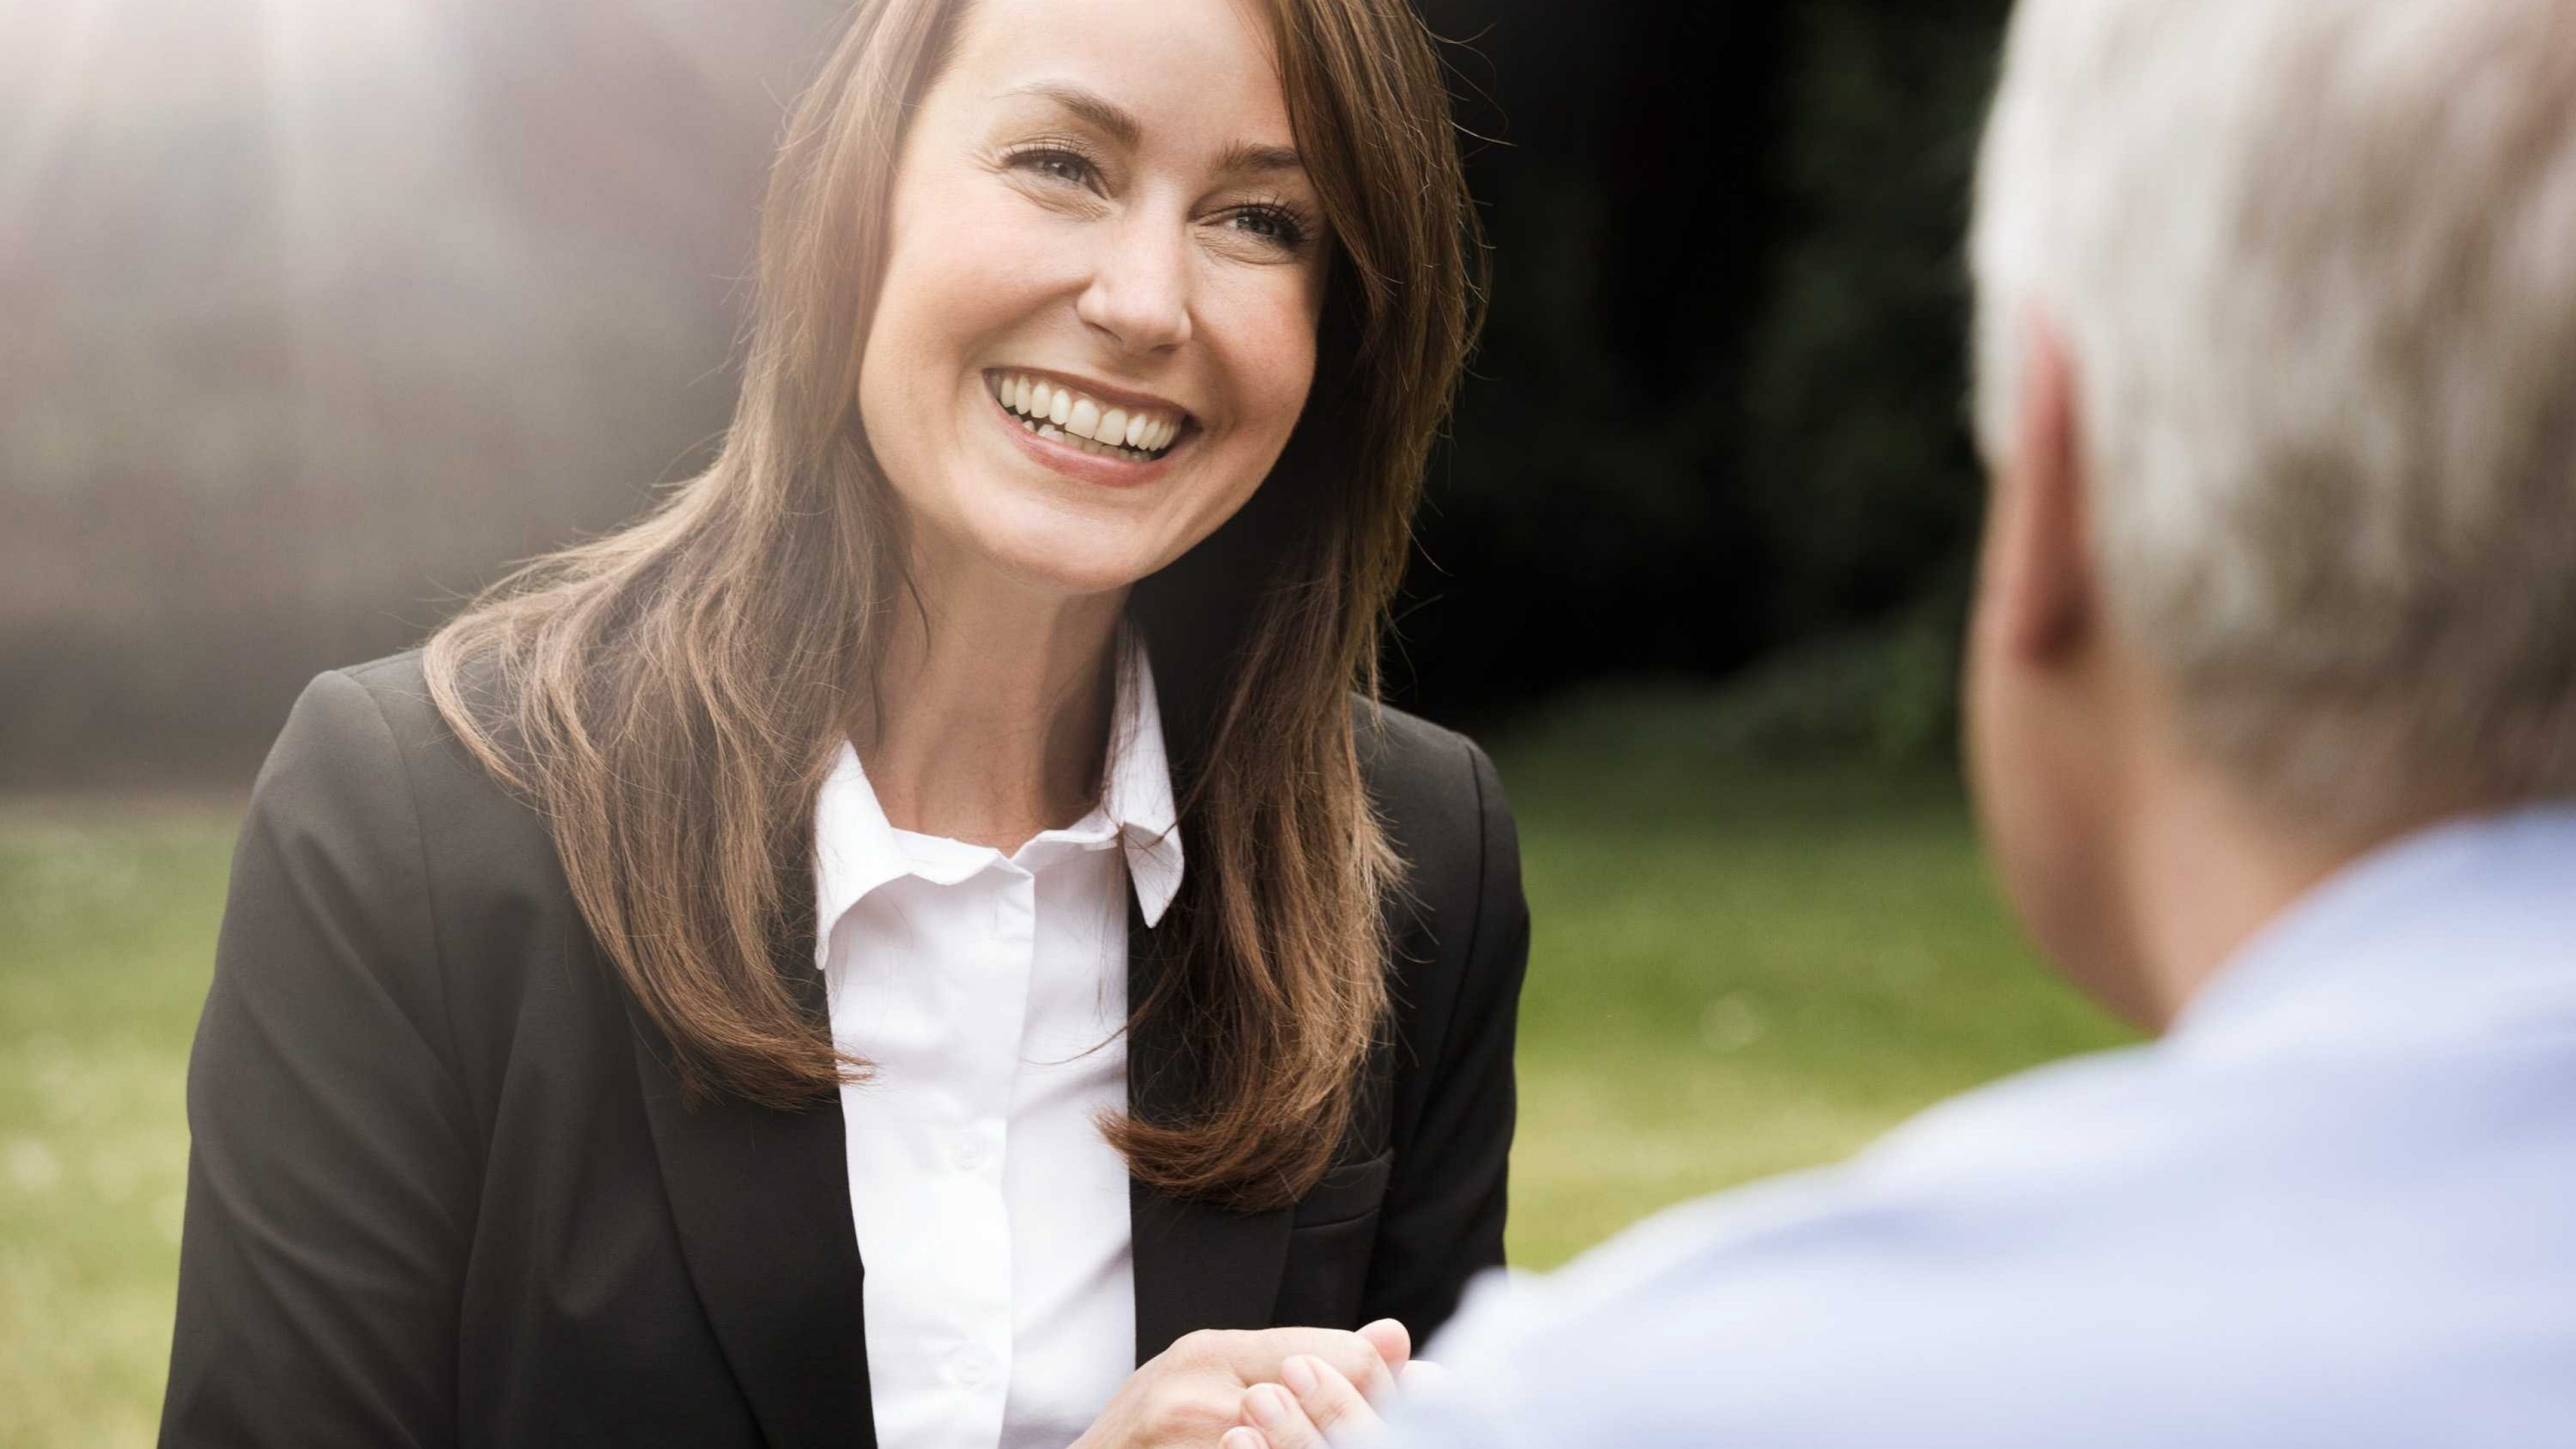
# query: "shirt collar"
1138,794
856,849
2459,931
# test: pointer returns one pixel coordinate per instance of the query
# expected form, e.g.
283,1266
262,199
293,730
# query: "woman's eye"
1056,164
1275,224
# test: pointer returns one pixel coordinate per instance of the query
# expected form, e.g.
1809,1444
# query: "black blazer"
443,1191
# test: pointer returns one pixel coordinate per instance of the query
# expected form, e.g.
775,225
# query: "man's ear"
2039,569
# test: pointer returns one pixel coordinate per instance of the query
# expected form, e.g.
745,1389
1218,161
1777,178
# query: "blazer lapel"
1197,1265
762,1199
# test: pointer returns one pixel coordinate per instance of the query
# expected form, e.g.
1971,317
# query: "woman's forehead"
1194,75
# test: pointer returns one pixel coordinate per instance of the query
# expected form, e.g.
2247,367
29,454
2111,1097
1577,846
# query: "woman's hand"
1192,1392
1319,1407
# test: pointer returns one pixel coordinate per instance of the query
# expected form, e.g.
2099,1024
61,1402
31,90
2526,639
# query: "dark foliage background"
306,329
1717,421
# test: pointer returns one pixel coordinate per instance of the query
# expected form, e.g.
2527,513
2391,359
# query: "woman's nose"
1140,285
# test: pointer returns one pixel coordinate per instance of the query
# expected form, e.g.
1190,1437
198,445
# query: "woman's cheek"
982,255
1275,345
1288,386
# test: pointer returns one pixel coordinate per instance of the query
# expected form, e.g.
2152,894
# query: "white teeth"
1056,412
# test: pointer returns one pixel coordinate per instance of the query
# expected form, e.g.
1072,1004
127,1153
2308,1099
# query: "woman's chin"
1075,546
1069,563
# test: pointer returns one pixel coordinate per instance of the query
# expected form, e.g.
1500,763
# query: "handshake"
1272,1388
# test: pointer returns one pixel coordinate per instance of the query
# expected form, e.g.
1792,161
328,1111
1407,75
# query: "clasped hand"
1272,1388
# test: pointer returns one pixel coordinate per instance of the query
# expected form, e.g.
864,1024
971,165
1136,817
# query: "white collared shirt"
990,992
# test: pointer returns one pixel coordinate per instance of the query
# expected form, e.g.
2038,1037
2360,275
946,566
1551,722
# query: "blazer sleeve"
331,1180
1442,1220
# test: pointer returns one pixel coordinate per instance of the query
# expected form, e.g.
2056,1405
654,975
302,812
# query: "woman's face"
1097,324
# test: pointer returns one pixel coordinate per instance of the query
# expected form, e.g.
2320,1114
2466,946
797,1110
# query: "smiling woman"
1178,221
955,834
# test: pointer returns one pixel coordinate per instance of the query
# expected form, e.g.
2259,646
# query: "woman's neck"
992,709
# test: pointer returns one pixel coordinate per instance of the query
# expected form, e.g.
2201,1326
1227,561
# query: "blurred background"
314,314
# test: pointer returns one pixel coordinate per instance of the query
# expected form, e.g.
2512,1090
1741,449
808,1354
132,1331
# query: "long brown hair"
671,695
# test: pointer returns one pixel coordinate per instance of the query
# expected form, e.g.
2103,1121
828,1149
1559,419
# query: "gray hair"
2314,262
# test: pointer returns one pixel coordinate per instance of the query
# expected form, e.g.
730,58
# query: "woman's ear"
2039,575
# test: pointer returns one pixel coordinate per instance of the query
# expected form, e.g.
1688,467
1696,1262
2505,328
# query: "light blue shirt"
2335,1208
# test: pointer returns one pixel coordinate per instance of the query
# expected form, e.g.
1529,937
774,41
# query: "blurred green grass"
1737,970
1740,969
107,917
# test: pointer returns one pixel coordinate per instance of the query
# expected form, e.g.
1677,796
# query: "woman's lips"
1124,424
1084,459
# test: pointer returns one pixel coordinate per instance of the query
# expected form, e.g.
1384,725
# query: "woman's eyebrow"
1121,126
1089,107
1251,158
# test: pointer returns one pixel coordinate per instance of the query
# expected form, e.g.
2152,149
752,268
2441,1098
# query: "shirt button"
969,1369
970,1154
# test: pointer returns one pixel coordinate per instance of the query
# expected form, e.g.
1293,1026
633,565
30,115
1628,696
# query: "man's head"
2276,348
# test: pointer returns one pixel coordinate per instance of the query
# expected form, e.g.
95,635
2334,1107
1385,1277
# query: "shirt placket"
980,1362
